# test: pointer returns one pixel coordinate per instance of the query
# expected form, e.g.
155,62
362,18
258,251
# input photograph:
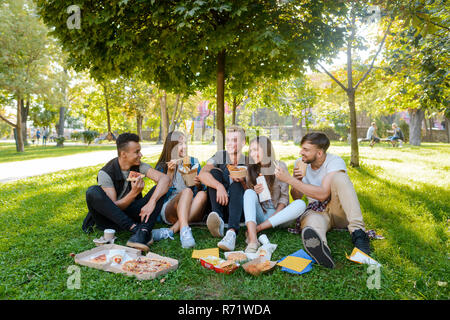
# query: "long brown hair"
267,167
167,153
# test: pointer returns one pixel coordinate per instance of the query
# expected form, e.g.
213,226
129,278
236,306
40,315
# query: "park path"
11,171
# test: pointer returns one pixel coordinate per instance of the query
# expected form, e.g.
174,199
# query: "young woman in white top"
271,213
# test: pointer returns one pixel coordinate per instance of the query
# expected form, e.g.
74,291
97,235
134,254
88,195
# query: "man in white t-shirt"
333,202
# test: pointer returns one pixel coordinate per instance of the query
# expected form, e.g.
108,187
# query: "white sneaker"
186,238
215,224
228,242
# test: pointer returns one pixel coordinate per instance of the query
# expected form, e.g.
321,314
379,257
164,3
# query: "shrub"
89,136
77,135
60,141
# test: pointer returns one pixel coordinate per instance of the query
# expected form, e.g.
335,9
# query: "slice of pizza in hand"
133,176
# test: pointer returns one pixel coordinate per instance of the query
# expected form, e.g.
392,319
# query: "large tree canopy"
187,45
417,60
25,55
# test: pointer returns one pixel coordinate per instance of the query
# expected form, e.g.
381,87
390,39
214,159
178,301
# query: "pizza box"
85,258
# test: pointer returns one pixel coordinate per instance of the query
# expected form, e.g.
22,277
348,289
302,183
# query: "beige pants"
343,210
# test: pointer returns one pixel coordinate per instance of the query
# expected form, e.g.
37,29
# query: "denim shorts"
163,209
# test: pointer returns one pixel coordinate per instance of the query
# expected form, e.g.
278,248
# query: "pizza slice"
99,259
133,176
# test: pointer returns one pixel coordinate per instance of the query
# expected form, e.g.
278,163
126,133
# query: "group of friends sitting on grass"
223,202
397,137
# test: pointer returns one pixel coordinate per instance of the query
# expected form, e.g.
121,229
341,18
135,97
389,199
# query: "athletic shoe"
316,248
228,242
186,238
215,224
141,239
163,233
361,241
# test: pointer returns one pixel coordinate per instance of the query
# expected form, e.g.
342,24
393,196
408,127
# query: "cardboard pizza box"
85,258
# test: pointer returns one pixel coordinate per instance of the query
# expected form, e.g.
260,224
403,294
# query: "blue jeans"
254,212
231,213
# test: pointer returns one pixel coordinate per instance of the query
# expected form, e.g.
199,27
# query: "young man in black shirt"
117,203
225,193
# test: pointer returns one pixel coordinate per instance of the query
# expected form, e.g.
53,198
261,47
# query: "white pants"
254,212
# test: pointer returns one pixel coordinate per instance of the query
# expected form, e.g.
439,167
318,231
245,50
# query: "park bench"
394,143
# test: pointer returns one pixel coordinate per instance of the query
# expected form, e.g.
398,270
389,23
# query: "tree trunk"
447,123
233,121
354,158
174,114
19,137
60,128
160,134
220,118
297,133
139,119
62,110
177,119
25,111
415,126
108,116
164,116
430,121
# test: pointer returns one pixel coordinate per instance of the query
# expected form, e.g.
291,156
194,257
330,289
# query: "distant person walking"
38,136
45,136
33,136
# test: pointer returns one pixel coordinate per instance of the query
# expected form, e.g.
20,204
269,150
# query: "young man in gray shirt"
118,203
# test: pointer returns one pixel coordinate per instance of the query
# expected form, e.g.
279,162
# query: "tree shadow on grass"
436,199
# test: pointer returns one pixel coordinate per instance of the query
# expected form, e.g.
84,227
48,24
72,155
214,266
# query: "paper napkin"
197,254
360,257
297,266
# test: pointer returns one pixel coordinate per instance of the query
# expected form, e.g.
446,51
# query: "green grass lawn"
404,195
8,151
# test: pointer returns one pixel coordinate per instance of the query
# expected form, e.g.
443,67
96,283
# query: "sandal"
252,247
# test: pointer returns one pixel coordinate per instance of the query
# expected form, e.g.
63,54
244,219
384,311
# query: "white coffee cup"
108,234
263,239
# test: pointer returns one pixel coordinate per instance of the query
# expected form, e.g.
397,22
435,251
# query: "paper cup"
189,178
263,239
302,166
108,234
